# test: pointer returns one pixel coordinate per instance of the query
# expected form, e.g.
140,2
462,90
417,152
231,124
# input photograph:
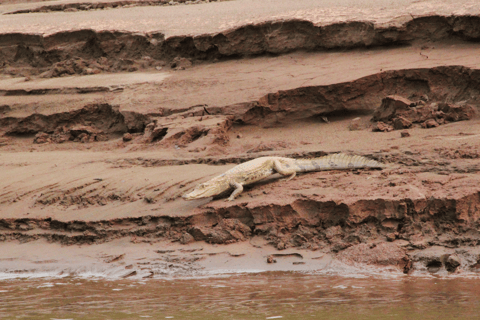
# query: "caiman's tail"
337,161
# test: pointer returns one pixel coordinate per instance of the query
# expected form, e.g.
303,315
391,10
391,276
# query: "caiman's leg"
238,189
277,166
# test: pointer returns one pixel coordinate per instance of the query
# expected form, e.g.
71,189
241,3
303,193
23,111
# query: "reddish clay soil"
95,168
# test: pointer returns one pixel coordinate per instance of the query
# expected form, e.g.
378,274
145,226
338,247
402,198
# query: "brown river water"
272,295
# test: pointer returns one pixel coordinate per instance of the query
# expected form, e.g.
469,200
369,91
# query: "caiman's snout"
188,196
203,190
196,193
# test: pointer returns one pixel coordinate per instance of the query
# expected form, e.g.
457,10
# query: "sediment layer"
451,84
89,51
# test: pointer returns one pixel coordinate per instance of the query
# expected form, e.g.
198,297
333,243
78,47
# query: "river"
268,295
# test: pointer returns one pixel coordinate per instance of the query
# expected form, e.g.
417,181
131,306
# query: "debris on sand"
398,113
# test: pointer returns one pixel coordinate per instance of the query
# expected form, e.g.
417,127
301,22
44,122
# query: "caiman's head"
208,189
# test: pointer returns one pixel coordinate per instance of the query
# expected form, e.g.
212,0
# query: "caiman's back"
338,161
253,170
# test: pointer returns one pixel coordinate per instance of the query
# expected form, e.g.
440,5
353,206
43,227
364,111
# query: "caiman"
261,168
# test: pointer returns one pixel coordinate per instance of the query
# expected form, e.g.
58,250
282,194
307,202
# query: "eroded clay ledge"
395,225
87,6
89,51
452,84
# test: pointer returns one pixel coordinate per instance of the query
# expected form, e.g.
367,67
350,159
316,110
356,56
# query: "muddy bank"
442,84
422,202
101,118
409,234
109,181
420,214
423,91
91,52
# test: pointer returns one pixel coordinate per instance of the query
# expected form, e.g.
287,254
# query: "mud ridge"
85,232
102,118
90,52
330,226
79,90
446,85
452,84
86,6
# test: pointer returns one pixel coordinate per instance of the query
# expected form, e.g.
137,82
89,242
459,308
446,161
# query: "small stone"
186,238
404,134
271,260
101,137
401,123
391,237
452,263
430,123
127,137
61,138
382,127
181,63
457,112
354,124
41,137
390,107
239,136
353,127
281,245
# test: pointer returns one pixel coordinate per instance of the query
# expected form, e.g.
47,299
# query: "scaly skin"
261,168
